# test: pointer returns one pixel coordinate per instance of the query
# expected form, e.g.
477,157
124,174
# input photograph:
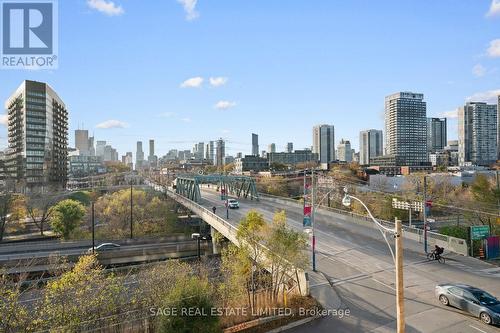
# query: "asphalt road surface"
360,272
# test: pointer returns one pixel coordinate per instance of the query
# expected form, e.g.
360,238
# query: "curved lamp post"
398,258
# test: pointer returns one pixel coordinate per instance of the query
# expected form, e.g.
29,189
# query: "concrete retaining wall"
451,244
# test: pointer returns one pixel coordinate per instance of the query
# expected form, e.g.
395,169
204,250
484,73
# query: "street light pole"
313,187
425,214
131,213
93,228
397,259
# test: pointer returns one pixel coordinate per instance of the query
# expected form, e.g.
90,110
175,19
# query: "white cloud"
190,9
490,96
225,131
112,123
3,120
449,114
224,105
186,120
478,70
218,81
107,7
494,49
494,8
194,82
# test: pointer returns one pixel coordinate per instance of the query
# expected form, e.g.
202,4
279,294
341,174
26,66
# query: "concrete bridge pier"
215,245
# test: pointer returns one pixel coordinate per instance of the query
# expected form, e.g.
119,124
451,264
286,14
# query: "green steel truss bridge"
239,186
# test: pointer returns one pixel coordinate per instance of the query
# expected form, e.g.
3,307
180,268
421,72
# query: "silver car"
232,203
473,300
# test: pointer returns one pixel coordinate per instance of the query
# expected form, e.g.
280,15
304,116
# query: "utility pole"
400,306
93,228
425,214
409,216
498,191
199,248
131,213
313,188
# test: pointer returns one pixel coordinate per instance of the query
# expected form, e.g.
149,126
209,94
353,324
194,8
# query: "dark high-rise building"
255,144
152,158
289,147
151,148
324,142
220,153
406,128
139,156
37,157
370,145
436,134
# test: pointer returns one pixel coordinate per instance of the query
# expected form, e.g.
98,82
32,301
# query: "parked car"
105,247
233,203
470,299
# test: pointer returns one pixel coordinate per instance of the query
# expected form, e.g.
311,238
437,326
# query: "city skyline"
203,99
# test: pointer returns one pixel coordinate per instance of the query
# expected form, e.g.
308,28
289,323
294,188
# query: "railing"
230,233
452,244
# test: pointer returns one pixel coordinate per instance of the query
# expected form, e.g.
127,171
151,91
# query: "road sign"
479,231
306,223
415,206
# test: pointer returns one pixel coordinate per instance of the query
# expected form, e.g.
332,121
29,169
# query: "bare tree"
38,208
5,203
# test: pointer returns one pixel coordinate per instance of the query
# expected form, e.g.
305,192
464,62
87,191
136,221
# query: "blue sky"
277,67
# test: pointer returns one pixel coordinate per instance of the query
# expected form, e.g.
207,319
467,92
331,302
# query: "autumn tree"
66,217
15,317
250,235
273,185
84,294
156,283
286,252
195,293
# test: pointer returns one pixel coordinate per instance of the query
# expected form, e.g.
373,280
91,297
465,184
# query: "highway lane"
17,254
358,264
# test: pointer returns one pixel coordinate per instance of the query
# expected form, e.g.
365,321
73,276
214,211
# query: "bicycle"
433,256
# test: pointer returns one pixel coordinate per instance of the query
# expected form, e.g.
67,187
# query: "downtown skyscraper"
406,128
36,159
477,134
255,144
370,145
139,156
324,142
220,153
436,134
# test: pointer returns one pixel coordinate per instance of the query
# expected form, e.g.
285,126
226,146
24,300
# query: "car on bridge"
233,203
105,247
470,299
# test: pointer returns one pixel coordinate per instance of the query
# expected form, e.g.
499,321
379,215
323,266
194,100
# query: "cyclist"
438,251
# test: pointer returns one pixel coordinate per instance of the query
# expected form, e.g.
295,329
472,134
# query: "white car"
233,203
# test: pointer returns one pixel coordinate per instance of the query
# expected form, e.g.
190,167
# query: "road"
359,267
83,249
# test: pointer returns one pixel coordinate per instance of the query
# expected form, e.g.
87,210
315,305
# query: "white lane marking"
384,284
319,284
480,330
